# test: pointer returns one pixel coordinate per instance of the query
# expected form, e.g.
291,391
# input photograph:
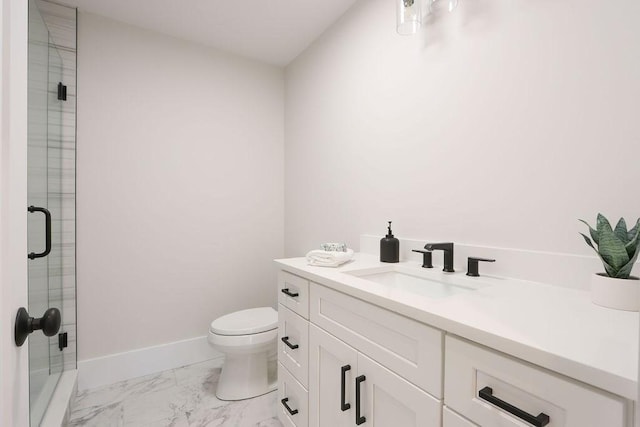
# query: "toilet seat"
234,342
245,322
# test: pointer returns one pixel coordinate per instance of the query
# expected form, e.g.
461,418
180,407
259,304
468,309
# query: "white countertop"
553,327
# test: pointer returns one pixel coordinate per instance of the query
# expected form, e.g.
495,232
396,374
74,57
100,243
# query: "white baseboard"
110,369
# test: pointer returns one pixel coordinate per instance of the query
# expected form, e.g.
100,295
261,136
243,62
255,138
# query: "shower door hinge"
62,92
62,341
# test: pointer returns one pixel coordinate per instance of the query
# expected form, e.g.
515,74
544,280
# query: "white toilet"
248,339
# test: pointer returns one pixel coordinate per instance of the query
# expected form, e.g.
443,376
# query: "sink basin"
416,281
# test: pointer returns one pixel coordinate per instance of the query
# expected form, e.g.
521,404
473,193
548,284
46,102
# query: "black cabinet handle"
47,243
359,419
286,341
284,403
540,421
287,292
344,405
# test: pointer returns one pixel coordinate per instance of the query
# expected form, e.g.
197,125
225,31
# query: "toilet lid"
245,322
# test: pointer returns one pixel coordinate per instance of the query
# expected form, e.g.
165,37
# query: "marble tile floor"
178,397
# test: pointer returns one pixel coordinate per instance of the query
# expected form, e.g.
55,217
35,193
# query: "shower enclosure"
51,207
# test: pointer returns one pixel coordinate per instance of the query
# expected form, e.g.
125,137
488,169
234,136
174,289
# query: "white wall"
180,186
14,369
498,125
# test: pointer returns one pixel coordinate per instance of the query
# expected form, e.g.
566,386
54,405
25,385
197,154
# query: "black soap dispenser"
389,247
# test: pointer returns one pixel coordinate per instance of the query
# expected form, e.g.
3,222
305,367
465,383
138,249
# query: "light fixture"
409,14
434,5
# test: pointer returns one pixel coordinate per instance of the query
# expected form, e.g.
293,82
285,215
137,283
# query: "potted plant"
618,250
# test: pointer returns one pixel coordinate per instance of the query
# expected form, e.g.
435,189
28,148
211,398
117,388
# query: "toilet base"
245,376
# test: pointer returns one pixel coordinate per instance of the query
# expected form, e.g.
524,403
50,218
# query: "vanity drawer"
293,293
410,349
293,402
470,369
294,330
451,419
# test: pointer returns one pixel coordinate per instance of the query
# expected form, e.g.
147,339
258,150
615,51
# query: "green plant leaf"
594,233
610,271
625,271
621,231
631,234
634,230
633,245
612,250
588,240
602,224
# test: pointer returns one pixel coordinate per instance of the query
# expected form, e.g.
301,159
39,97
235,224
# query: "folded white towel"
328,258
337,247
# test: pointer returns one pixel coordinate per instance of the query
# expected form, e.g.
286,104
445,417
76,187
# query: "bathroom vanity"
381,344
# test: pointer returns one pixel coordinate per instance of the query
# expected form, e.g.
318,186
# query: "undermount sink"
416,281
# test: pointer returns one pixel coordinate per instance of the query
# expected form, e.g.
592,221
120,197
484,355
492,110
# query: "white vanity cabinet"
356,363
293,350
409,348
347,388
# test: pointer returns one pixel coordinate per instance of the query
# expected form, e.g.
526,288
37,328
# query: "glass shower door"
44,194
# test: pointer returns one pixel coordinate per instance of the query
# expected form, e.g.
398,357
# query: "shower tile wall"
61,22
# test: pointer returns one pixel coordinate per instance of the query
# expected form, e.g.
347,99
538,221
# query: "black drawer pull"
540,421
286,292
284,403
359,419
344,405
286,341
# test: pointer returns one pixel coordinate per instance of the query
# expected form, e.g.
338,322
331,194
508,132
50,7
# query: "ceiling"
273,31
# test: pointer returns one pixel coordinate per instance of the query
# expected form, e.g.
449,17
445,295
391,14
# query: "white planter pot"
621,294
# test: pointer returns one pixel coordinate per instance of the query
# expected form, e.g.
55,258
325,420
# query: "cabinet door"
332,363
409,348
386,400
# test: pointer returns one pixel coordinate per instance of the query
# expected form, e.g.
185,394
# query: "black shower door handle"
47,243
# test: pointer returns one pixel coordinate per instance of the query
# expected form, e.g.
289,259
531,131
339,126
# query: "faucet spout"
447,248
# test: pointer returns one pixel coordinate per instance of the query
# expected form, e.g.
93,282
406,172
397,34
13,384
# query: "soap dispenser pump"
389,247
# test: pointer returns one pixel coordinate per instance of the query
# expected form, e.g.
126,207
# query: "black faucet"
448,254
426,258
472,265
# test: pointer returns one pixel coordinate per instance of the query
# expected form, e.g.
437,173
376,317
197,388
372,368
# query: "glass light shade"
409,15
436,5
